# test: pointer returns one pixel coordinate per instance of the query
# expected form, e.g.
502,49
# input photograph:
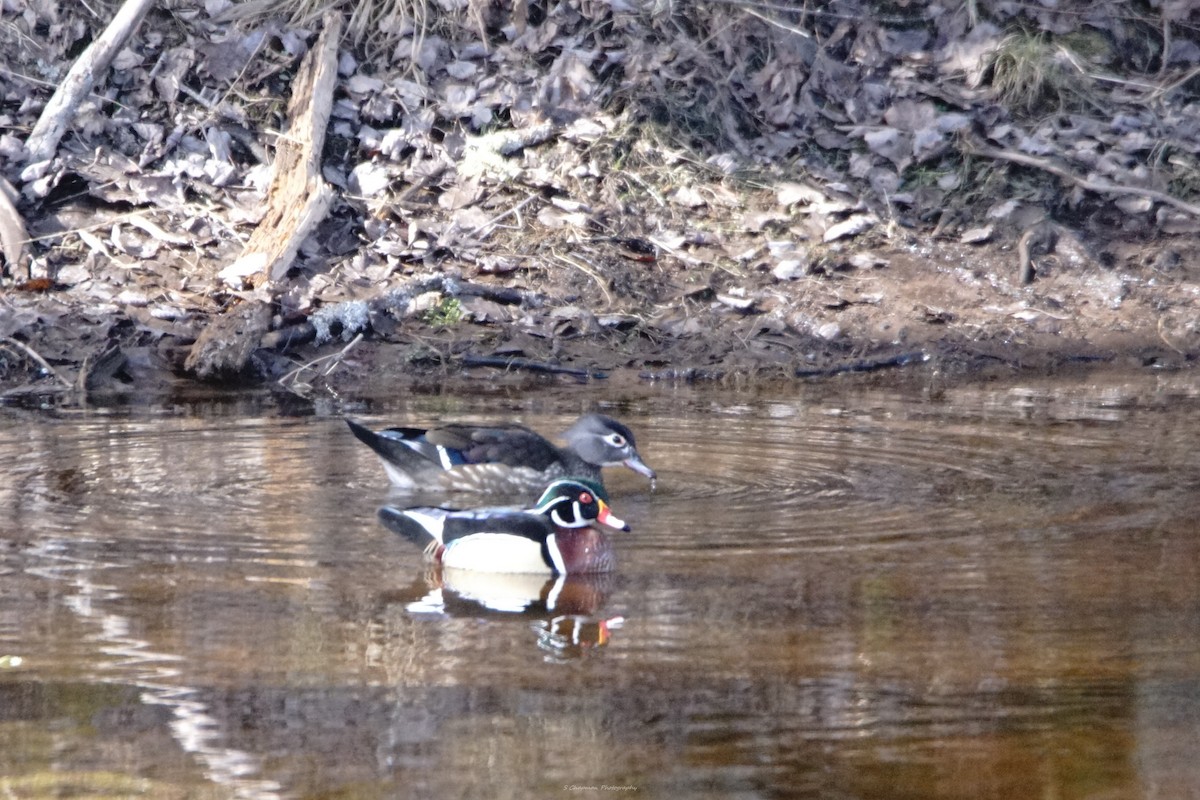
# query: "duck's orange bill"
606,517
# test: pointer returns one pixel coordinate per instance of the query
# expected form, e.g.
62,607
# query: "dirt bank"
583,192
927,307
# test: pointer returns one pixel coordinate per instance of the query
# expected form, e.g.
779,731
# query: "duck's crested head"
577,503
572,487
604,442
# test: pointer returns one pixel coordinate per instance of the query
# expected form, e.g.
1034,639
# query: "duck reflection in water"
563,609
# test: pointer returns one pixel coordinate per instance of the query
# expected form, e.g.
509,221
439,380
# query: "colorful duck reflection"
563,609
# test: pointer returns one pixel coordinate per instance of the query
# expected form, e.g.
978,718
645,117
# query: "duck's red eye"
585,498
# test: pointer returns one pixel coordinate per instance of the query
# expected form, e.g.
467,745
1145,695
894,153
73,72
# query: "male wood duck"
500,458
557,536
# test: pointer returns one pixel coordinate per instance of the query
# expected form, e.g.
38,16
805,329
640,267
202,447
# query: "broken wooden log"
297,200
225,346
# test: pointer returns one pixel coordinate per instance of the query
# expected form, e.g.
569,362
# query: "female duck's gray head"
604,442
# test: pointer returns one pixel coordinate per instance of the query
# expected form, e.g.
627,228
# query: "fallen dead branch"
496,219
21,348
59,112
322,366
975,148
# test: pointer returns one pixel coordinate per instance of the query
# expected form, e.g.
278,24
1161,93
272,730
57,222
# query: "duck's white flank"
497,552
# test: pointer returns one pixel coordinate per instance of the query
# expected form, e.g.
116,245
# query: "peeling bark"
297,200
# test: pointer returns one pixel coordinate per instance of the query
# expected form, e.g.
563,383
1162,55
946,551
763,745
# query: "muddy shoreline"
928,312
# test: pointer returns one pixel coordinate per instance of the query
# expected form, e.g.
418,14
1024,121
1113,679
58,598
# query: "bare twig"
1069,56
586,271
327,364
805,11
1173,85
32,354
514,210
1083,183
1162,334
633,176
772,21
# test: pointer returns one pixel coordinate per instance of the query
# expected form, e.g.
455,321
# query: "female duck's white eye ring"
616,440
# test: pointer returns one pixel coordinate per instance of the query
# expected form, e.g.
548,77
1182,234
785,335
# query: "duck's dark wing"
462,524
512,445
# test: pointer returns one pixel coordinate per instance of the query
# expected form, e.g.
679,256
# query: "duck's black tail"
405,454
417,525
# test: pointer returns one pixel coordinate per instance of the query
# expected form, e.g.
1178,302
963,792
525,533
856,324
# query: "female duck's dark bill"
637,465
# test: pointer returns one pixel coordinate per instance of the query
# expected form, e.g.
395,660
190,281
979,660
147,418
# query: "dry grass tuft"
378,26
1031,75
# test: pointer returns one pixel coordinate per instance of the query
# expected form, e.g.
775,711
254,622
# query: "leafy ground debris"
652,190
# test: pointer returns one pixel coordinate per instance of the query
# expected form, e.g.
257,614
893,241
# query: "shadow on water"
838,592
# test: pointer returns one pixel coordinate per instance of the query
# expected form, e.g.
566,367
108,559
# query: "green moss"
444,314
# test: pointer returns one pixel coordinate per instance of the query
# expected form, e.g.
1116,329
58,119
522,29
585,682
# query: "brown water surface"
837,592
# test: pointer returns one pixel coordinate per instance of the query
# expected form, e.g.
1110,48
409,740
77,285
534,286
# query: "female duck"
500,458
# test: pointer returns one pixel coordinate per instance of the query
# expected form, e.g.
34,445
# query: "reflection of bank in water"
126,659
